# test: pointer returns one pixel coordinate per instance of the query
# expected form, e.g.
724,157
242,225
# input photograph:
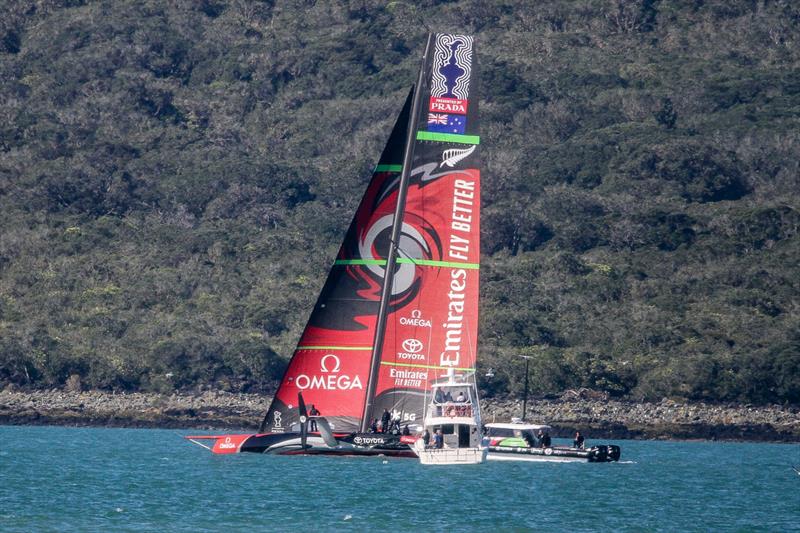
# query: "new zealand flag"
447,123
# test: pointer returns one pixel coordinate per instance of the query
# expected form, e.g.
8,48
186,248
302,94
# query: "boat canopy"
520,426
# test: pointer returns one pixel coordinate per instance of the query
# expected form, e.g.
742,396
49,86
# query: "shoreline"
598,419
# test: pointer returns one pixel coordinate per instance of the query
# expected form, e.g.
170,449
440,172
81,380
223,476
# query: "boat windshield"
510,432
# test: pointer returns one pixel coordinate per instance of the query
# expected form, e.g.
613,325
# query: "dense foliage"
175,179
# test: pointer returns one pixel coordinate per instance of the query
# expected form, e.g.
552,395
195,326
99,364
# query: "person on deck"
461,398
438,397
426,437
406,431
545,440
438,440
579,441
385,419
530,440
313,412
374,426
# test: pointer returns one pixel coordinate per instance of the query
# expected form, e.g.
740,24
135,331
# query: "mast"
391,259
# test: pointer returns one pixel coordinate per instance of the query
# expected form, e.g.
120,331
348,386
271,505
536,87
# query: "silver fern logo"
453,156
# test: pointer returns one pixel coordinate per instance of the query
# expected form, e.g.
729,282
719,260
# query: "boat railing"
453,409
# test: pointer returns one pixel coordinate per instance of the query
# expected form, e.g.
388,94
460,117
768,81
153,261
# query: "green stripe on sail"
388,168
343,348
380,262
448,137
434,367
422,262
448,264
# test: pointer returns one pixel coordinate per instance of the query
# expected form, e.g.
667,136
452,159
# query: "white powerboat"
452,424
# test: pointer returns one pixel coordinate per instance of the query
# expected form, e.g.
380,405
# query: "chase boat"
516,441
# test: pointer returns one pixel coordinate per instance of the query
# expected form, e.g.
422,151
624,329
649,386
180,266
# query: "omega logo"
415,320
227,445
333,380
336,363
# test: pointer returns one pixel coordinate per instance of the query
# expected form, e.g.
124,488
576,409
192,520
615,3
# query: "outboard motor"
613,452
598,454
604,453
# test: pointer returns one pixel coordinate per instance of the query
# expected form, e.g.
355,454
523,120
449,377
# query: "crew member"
438,440
545,440
312,426
530,440
385,418
579,440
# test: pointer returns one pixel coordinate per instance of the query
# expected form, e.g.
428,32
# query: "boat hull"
452,456
358,444
555,454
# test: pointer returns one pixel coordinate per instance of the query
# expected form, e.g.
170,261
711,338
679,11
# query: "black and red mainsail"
350,364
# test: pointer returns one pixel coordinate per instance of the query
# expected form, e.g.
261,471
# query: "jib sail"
330,365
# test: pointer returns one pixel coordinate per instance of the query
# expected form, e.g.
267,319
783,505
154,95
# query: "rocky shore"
234,412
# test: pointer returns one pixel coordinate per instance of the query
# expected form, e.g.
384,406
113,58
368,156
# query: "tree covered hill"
176,177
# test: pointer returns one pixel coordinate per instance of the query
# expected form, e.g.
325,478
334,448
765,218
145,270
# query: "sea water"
93,479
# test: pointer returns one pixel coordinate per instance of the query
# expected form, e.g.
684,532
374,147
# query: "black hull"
595,454
359,444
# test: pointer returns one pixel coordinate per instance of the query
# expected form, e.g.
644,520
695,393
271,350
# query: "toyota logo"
412,345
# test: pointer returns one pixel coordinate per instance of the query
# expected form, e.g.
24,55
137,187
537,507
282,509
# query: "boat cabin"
454,410
523,433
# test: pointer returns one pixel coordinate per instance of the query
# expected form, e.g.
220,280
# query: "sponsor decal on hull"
229,443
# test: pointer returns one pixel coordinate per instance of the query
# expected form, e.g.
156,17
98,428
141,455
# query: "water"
91,479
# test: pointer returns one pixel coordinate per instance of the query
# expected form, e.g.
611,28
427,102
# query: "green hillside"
176,177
